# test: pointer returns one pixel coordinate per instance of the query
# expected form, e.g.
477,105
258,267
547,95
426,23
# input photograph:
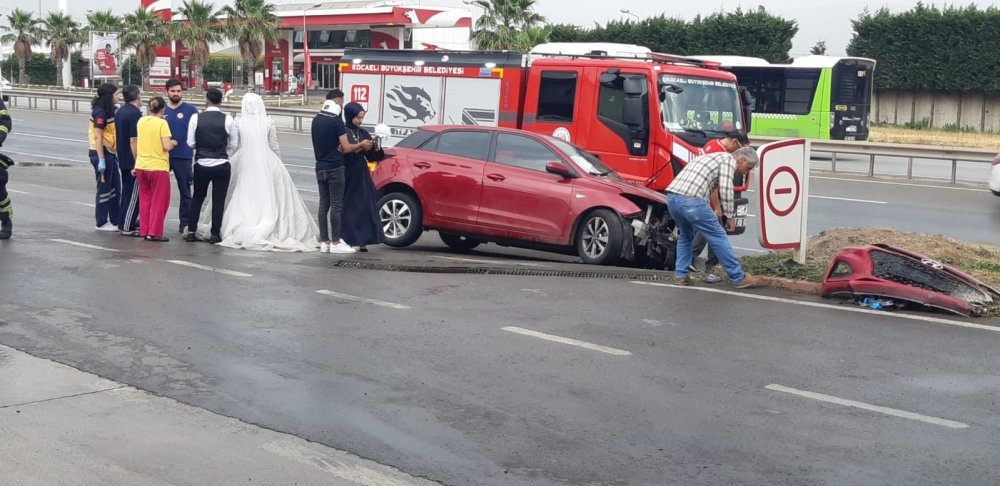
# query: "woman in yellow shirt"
152,170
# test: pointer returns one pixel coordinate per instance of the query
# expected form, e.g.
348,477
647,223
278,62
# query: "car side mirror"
559,169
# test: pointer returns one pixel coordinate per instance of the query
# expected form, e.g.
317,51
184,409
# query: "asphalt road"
498,380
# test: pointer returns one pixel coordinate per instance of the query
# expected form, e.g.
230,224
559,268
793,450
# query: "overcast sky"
828,20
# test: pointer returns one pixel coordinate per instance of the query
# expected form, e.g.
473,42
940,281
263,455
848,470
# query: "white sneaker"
106,227
324,247
342,248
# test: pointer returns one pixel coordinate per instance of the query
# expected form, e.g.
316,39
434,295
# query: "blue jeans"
693,216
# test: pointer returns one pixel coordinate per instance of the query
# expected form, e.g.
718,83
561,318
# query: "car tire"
459,242
401,218
599,238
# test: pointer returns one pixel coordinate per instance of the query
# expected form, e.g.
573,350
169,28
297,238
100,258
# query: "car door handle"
495,177
422,165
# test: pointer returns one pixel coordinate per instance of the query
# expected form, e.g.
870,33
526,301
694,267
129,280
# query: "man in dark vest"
212,134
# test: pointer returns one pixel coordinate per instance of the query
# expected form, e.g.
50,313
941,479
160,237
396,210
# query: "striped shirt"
702,175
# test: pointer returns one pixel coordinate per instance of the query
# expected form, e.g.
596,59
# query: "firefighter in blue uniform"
6,211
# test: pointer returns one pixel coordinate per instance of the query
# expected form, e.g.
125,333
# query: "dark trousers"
184,174
6,209
108,197
218,176
331,202
128,212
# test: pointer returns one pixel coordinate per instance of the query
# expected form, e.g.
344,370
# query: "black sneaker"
190,238
215,239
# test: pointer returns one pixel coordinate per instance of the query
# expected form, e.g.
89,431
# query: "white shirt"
234,138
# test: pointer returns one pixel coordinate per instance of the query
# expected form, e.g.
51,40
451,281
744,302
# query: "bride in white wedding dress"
264,211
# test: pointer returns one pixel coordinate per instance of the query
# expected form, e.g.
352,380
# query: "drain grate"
389,267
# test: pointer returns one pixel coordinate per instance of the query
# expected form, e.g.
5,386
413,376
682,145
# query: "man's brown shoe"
749,281
682,281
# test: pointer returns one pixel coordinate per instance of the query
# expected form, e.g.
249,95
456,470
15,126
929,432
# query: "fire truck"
643,114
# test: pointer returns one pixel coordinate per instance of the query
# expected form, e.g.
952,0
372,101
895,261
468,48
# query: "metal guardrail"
77,97
870,149
903,151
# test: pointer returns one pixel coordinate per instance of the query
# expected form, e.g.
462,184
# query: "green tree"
143,32
949,49
503,21
754,33
23,33
531,37
200,27
819,49
61,34
566,33
251,23
103,21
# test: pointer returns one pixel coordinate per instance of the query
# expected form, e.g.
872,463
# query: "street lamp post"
307,62
628,12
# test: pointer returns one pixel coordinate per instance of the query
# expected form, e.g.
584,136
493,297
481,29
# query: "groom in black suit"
212,134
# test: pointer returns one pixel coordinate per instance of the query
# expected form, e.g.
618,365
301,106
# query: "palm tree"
61,34
251,23
200,28
532,36
143,31
103,21
23,32
502,23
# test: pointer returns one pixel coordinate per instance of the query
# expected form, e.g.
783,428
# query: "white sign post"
784,196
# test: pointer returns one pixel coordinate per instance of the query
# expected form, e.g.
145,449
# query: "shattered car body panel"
886,271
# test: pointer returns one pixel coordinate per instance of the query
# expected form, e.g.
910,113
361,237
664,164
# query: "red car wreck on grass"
515,188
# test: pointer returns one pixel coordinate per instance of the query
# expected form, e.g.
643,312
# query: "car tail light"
996,160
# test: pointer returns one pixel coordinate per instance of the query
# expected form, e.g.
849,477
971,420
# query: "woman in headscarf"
360,226
264,210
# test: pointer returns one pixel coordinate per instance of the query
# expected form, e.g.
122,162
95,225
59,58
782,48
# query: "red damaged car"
515,188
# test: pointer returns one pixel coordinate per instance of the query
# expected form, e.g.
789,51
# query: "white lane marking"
871,408
210,269
18,192
64,159
900,184
756,250
302,166
22,134
849,200
570,341
911,317
86,205
363,300
83,245
473,260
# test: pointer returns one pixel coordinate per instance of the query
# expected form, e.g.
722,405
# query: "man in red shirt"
733,140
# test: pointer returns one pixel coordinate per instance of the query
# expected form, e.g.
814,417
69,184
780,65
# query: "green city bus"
816,97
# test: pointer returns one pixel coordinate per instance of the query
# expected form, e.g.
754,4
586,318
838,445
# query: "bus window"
800,88
852,83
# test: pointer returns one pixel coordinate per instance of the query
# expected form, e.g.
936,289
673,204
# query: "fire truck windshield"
697,109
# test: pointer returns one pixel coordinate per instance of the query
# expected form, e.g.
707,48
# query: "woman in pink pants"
152,170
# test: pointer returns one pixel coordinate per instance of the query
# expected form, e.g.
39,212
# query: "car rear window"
415,139
470,144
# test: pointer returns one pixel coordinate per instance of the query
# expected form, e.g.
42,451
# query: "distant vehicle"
517,188
816,97
995,176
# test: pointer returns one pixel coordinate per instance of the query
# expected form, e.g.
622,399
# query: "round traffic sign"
782,191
